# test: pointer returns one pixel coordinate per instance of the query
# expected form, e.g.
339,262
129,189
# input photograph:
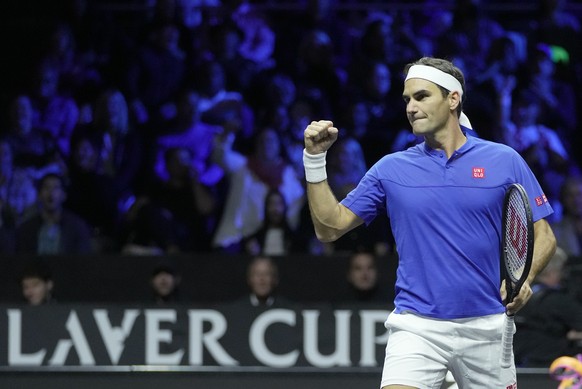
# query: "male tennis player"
444,198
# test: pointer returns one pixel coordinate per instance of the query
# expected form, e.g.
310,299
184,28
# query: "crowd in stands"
176,126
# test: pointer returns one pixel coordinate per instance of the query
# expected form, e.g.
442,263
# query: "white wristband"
314,167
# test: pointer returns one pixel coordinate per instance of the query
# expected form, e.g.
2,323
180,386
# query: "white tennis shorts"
421,350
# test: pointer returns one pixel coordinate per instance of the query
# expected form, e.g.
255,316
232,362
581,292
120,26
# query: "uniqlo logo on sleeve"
478,172
539,201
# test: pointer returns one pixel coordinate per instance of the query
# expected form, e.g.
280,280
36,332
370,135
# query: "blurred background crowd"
175,126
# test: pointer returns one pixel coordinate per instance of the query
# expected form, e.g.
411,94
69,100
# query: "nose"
411,108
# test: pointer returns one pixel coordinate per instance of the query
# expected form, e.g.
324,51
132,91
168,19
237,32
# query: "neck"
448,141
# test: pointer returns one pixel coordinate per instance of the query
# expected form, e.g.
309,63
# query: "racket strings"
516,237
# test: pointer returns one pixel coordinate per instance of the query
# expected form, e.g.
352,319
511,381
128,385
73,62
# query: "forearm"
330,219
324,209
544,248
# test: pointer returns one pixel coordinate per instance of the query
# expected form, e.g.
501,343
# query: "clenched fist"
319,136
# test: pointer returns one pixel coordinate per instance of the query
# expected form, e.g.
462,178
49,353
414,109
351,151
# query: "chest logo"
478,172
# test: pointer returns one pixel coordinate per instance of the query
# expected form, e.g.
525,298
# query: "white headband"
440,78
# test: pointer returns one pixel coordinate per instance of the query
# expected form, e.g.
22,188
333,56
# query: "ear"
454,100
49,285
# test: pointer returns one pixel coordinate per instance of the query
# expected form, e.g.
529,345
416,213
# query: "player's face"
426,108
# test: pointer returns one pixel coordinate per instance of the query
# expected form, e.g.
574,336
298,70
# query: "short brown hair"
447,67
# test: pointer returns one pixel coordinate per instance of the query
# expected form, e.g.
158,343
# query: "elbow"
327,235
325,238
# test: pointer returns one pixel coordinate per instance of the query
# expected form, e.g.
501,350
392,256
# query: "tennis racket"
516,253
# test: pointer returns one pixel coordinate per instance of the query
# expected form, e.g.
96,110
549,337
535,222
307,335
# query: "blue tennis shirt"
445,215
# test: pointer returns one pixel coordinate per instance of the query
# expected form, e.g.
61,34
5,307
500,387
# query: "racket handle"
507,341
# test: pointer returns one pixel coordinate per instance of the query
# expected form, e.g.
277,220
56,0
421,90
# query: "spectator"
262,280
187,201
120,145
498,79
32,147
54,229
471,34
317,74
53,112
156,74
374,87
539,145
189,131
363,284
568,229
250,179
551,322
558,98
562,29
91,193
78,74
165,284
17,190
220,105
146,230
37,284
275,237
225,47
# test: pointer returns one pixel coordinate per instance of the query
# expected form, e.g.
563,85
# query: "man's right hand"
319,136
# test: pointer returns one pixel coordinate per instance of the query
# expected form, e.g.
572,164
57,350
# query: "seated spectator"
262,280
363,284
91,193
557,97
155,74
189,131
119,143
187,201
346,166
275,236
551,322
37,284
472,32
32,147
54,113
165,284
222,106
539,145
17,192
376,87
568,229
53,229
145,229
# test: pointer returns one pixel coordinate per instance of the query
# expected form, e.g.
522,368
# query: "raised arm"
330,219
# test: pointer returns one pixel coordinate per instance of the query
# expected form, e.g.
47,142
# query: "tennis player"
444,198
